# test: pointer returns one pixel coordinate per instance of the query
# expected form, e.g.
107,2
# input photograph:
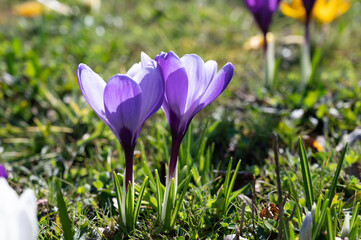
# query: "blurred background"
46,126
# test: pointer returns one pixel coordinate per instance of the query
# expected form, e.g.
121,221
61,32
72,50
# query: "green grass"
48,131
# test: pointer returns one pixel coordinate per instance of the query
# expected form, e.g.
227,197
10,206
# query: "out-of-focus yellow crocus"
325,11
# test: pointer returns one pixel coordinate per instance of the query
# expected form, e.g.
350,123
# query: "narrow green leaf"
354,215
202,144
319,224
180,199
306,175
337,173
329,225
170,205
129,205
285,230
230,188
139,200
159,194
317,211
148,173
291,230
63,214
355,230
118,192
228,174
237,192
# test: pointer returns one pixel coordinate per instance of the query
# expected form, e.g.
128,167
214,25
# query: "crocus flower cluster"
125,101
18,220
182,86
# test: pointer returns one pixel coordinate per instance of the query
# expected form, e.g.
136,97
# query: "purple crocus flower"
262,11
125,101
3,172
190,85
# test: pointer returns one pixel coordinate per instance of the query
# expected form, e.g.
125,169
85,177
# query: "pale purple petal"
211,70
197,81
151,83
92,86
176,82
123,101
218,84
146,61
134,70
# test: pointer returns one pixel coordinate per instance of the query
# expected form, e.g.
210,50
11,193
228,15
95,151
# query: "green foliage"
306,175
63,214
48,130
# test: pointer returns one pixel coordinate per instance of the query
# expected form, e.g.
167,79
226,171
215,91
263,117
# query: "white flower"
18,220
306,228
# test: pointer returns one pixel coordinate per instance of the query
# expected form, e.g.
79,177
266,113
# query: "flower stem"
128,166
306,69
176,141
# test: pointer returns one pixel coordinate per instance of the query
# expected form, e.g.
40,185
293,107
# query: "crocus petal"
3,172
176,82
122,101
262,12
92,86
151,83
197,81
306,228
134,70
218,84
28,225
211,70
18,218
146,61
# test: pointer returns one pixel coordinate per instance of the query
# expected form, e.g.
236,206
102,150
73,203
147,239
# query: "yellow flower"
29,9
294,9
36,8
325,11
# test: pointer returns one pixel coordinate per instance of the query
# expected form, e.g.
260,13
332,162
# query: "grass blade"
228,174
306,175
118,192
329,225
230,188
139,200
129,204
180,199
159,193
337,173
321,220
63,214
